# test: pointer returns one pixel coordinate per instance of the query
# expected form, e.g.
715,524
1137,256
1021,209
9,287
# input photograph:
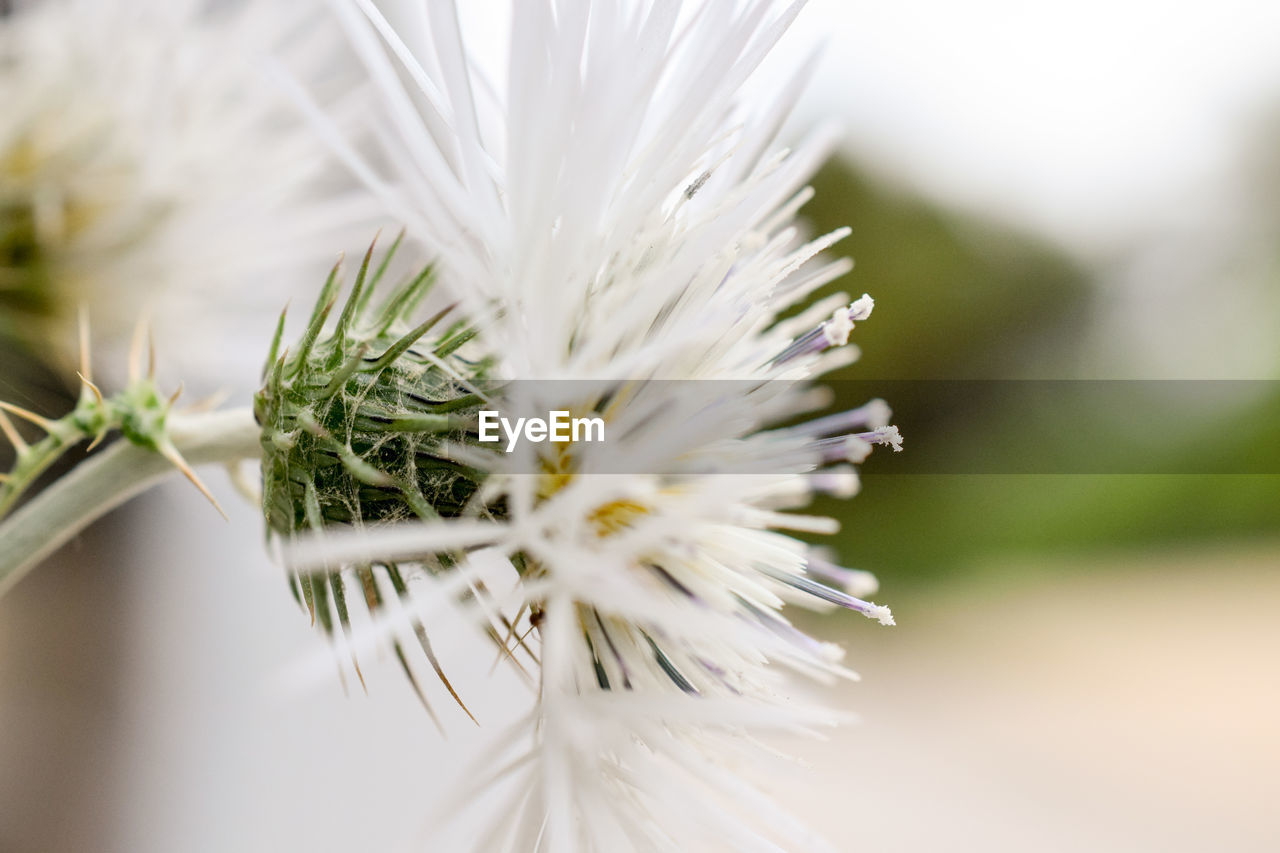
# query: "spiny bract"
357,424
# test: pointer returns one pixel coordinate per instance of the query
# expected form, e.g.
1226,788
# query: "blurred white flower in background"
613,212
146,168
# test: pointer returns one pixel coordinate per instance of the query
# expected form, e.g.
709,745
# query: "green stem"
110,478
36,459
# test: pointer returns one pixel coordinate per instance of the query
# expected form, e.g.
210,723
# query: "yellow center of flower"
614,517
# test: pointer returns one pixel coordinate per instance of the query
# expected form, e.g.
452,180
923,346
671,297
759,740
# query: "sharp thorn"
402,302
452,344
6,426
399,347
332,285
177,394
168,451
308,596
381,270
275,342
97,439
356,665
507,649
338,586
427,649
351,311
417,688
88,383
42,422
86,369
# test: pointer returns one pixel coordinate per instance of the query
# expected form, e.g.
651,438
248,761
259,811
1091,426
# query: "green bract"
358,421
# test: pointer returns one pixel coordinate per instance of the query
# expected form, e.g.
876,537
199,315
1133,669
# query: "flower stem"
110,478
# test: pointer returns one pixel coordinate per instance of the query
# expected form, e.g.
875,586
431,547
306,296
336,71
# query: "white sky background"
1083,119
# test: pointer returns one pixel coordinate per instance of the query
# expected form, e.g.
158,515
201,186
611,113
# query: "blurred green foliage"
958,297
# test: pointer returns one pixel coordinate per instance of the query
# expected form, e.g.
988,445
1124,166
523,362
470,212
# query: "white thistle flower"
147,168
612,214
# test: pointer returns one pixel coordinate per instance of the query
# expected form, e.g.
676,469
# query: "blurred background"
1086,657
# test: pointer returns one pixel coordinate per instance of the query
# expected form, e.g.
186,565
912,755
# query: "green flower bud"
357,424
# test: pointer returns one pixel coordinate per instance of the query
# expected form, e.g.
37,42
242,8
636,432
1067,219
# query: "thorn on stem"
97,439
42,422
86,368
88,383
169,452
6,426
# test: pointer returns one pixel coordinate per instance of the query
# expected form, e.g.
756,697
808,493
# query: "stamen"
886,435
832,333
873,414
853,581
845,448
869,609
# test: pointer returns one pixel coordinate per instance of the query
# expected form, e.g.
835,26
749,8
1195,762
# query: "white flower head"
613,223
146,167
